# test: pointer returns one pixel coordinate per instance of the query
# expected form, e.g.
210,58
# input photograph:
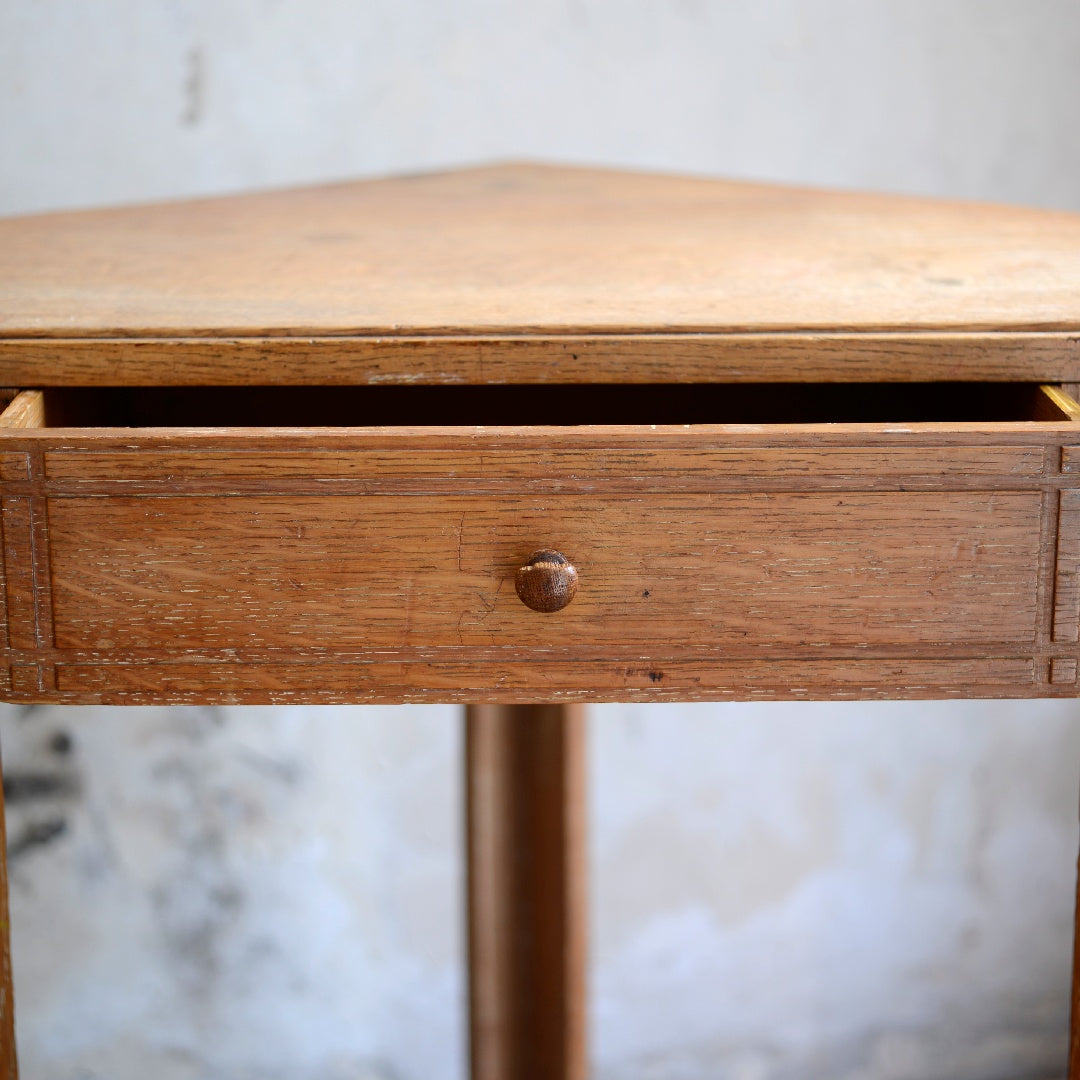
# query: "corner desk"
526,437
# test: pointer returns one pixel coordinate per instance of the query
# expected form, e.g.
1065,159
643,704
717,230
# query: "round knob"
547,582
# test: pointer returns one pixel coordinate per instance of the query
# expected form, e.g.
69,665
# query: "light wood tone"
19,567
27,410
440,277
525,784
1059,399
14,467
564,460
9,1069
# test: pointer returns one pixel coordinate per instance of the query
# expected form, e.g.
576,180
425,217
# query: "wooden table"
362,443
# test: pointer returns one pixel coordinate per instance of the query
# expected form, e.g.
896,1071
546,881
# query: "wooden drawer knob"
547,582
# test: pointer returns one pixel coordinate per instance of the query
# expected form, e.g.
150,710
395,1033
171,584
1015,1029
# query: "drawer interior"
367,406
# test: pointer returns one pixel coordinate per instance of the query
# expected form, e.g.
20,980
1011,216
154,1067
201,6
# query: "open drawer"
364,544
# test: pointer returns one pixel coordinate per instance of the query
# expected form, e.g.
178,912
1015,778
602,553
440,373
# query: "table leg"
1074,1020
525,798
9,1069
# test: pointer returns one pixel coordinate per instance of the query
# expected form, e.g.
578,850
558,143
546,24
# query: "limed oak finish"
522,437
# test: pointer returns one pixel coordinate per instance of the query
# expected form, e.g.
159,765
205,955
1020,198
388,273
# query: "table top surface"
533,252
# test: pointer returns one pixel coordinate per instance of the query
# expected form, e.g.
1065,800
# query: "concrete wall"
816,891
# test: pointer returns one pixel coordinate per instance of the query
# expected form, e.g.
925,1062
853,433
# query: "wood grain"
651,676
1063,670
525,813
384,572
27,410
1067,587
9,1069
1055,401
625,358
481,256
260,556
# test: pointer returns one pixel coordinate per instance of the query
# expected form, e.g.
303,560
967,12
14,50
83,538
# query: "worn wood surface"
25,410
526,273
245,678
525,785
9,1069
343,564
859,560
545,358
392,572
713,561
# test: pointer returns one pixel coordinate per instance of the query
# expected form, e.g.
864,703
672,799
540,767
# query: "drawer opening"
558,405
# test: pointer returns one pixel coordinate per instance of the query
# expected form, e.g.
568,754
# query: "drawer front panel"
392,572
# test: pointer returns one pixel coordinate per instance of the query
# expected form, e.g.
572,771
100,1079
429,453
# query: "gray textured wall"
849,892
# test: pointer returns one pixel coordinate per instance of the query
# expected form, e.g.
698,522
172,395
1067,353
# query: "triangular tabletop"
546,273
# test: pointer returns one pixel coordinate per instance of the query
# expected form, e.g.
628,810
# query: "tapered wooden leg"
525,795
9,1069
